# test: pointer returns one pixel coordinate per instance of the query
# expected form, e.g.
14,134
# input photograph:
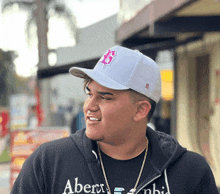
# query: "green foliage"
5,157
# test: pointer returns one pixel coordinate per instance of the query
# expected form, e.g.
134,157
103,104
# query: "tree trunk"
42,29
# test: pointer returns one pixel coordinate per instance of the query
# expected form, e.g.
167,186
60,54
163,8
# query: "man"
116,153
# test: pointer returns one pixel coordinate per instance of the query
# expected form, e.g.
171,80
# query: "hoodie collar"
164,149
88,149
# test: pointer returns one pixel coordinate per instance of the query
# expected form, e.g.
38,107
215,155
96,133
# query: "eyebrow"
105,93
102,93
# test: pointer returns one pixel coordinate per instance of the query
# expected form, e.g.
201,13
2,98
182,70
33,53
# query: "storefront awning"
161,21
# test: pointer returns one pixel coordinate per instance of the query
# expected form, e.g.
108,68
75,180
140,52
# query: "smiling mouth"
93,119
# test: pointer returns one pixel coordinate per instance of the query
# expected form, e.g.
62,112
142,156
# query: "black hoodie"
71,165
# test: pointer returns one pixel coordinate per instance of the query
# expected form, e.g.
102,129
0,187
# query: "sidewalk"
4,178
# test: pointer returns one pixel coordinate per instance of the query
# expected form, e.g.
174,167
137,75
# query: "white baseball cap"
121,68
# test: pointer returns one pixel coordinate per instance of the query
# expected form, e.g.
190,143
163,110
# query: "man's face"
109,114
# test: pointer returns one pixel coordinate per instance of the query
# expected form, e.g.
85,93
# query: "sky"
12,30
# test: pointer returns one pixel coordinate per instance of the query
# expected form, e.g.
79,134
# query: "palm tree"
42,9
39,14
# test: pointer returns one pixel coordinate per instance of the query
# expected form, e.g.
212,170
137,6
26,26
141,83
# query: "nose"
91,104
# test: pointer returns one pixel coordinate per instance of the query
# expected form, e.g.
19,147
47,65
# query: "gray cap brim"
98,77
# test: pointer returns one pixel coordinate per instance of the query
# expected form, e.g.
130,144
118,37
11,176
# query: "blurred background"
41,39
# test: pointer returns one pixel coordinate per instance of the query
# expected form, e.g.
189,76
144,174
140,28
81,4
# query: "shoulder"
59,146
53,149
195,160
194,164
66,141
200,176
192,171
47,154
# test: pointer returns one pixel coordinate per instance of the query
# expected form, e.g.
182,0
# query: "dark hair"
153,107
136,96
86,82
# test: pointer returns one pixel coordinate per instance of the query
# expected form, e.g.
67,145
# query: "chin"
93,135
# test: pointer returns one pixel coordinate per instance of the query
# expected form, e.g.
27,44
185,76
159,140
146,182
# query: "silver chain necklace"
139,176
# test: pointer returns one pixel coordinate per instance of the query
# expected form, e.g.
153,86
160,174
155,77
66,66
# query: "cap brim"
98,77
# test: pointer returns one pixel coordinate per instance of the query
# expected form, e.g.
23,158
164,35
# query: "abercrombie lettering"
76,187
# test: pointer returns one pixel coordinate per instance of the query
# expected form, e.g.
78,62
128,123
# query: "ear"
143,108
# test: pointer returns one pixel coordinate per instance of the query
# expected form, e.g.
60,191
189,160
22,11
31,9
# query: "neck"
125,151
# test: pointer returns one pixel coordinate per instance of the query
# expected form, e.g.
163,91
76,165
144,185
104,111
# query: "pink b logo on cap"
108,57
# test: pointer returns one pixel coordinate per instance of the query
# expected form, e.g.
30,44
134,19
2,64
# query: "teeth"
93,119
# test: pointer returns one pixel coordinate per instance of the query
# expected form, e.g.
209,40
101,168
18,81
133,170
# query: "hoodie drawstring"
94,153
166,181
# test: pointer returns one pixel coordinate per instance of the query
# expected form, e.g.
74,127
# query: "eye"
87,91
105,98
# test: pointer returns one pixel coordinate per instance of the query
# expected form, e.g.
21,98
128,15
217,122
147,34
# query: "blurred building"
191,29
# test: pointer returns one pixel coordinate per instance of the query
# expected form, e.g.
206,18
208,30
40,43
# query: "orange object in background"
4,122
25,141
167,84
